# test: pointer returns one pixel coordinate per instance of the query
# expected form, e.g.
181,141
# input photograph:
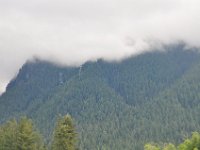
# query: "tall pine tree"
8,135
28,138
20,136
65,136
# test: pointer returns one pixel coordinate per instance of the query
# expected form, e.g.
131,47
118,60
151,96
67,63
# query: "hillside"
116,105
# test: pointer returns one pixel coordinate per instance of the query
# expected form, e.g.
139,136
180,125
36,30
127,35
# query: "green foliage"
169,147
191,144
20,136
8,135
27,137
151,97
156,147
151,147
65,136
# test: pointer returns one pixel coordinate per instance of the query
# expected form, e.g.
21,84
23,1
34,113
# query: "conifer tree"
27,137
8,135
64,137
20,136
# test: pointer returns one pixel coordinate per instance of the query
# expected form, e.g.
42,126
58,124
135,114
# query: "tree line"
22,135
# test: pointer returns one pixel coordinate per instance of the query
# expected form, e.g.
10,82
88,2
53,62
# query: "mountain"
116,105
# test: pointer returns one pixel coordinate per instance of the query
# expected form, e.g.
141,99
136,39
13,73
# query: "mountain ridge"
151,97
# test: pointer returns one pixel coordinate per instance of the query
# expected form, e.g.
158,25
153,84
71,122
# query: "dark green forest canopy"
116,105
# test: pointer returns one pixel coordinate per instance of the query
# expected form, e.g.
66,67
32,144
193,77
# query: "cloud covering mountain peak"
71,32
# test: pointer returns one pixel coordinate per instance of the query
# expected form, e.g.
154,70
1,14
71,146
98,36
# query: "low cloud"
71,32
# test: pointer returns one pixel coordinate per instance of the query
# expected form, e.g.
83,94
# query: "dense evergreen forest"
153,97
22,135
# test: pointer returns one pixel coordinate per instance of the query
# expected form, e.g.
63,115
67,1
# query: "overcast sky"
71,32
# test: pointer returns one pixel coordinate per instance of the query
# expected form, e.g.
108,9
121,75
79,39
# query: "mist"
71,32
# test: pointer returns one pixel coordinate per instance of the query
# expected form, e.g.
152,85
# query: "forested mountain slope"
116,105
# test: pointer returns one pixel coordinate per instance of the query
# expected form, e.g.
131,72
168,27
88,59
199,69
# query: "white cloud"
74,31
